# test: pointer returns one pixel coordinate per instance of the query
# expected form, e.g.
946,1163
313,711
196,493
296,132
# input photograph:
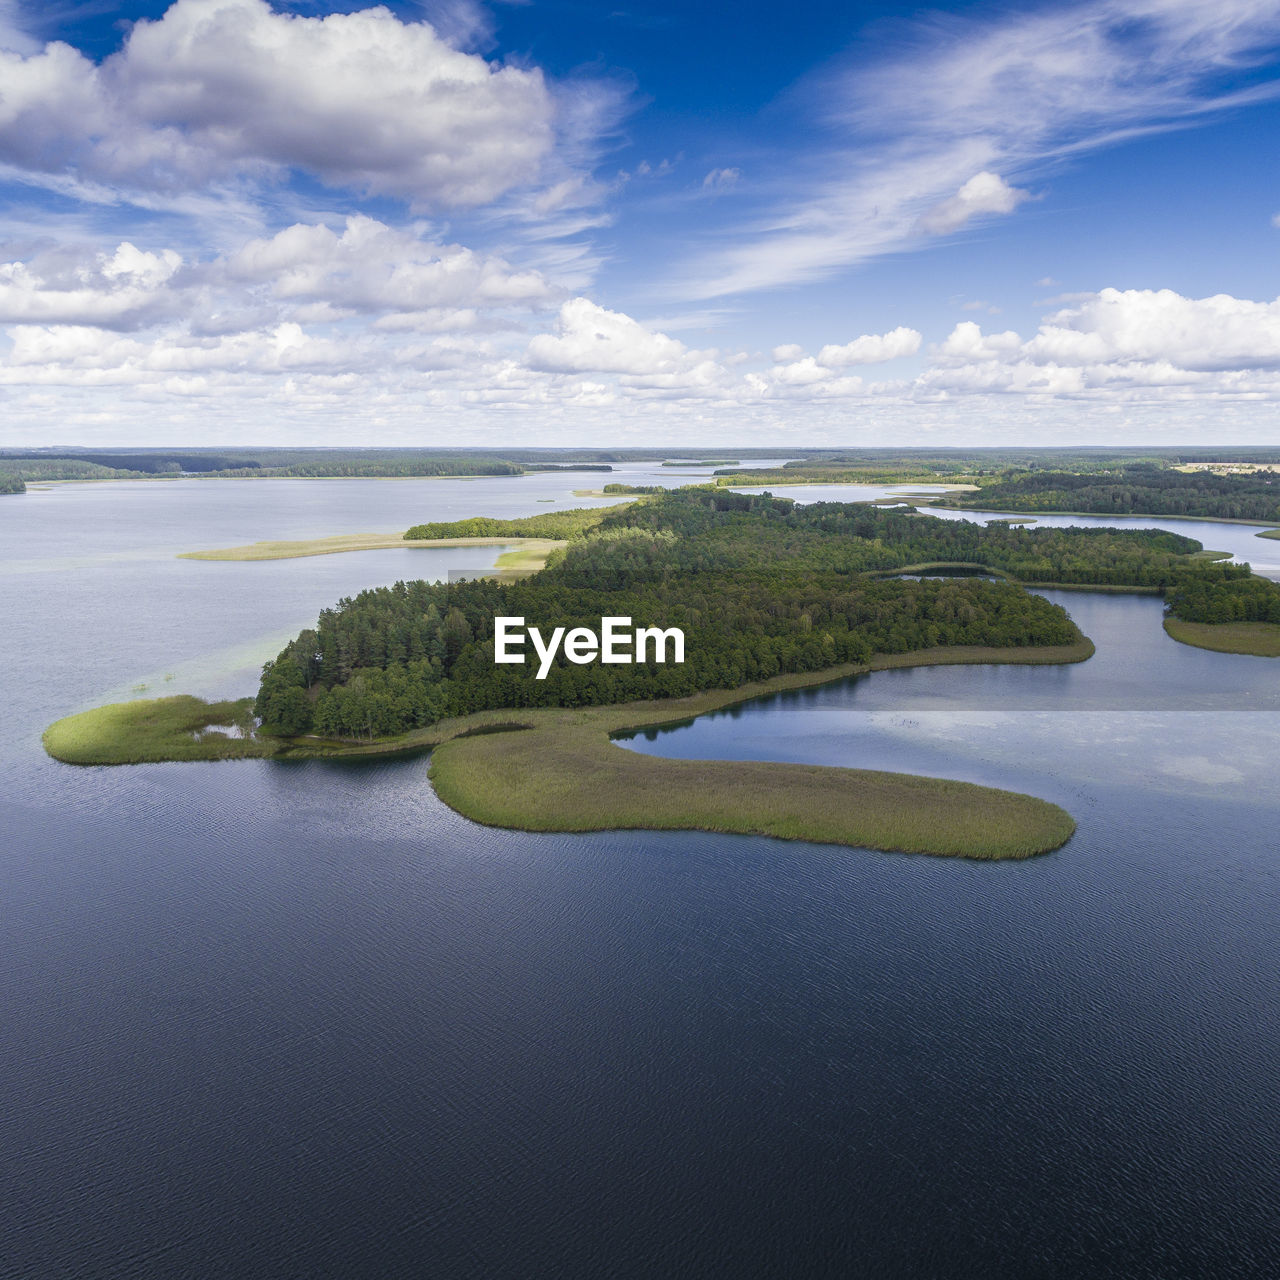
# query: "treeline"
1231,600
859,538
1137,490
12,484
572,523
409,655
37,469
810,474
759,585
75,465
567,466
338,469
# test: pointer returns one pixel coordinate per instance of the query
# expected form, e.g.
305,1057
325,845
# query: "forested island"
1142,489
760,585
769,594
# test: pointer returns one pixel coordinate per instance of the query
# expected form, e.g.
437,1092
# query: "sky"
550,222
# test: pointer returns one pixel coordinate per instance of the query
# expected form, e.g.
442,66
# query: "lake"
300,1019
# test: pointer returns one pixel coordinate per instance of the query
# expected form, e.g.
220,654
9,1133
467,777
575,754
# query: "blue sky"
229,221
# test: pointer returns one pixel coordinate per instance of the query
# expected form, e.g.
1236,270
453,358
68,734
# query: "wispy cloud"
934,134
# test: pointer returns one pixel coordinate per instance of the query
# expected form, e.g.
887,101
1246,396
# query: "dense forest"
1135,490
12,484
1218,600
571,523
759,585
115,465
1036,467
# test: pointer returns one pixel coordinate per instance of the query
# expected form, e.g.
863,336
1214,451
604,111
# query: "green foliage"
573,523
44,468
340,467
760,587
532,779
1261,639
1219,600
178,728
11,483
1134,490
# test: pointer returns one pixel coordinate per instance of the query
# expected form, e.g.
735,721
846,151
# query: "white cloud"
591,339
1126,344
721,179
371,267
1221,332
872,348
985,192
218,89
123,290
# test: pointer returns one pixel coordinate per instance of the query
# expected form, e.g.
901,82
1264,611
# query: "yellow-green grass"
1261,639
574,779
554,769
1270,533
526,547
561,773
527,557
155,729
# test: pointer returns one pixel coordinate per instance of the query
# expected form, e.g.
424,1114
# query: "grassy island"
154,729
555,769
1260,639
525,553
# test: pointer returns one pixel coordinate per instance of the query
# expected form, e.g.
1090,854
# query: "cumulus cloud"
371,267
1132,342
985,192
122,290
872,348
1220,332
217,89
591,339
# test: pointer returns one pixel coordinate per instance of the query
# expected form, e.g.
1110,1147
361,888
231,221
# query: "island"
771,596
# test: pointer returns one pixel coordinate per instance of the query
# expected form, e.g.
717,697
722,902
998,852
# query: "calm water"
301,1020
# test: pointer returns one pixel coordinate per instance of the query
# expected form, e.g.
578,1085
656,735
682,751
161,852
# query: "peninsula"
771,596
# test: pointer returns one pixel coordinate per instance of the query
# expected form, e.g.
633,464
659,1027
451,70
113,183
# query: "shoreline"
1111,515
1252,639
558,769
527,549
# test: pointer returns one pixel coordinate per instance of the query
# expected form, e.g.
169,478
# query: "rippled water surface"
301,1020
